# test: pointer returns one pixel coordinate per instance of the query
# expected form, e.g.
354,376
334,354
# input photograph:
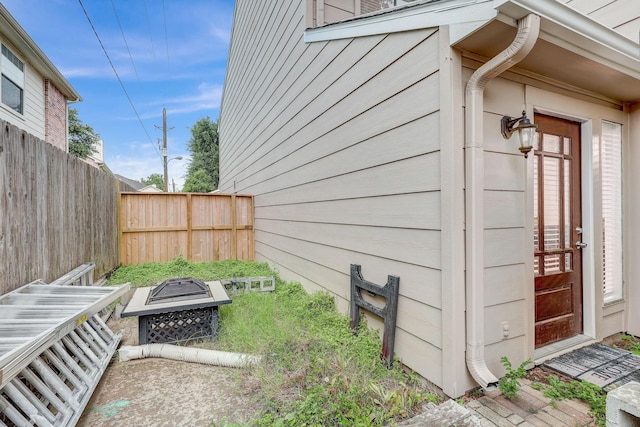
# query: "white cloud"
207,97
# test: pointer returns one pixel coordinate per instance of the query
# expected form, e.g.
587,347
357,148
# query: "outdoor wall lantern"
526,131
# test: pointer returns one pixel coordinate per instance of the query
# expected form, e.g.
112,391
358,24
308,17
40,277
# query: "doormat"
604,366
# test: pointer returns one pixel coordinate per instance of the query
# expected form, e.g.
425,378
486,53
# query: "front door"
557,230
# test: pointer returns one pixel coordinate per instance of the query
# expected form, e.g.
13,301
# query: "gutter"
528,31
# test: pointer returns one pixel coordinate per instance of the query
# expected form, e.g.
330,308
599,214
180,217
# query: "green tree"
203,171
154,178
82,138
198,182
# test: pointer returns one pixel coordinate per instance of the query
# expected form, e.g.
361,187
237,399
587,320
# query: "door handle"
580,245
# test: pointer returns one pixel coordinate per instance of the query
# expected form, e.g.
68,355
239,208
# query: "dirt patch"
623,341
158,392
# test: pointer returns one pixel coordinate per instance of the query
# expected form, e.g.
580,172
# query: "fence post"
234,229
189,229
120,238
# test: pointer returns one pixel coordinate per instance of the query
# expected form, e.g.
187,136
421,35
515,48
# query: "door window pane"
567,204
551,143
552,264
536,213
551,203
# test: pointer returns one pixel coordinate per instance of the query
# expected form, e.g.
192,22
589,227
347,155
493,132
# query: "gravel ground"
158,392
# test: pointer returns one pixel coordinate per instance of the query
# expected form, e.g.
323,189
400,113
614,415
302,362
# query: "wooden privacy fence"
201,227
56,212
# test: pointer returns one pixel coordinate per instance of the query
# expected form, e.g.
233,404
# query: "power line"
166,38
153,47
115,12
115,71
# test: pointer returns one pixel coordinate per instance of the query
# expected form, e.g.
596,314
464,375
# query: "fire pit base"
177,321
178,326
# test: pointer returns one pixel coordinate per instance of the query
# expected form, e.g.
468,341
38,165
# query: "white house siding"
32,120
620,15
339,143
337,10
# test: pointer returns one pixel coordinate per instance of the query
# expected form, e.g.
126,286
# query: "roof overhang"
572,48
15,34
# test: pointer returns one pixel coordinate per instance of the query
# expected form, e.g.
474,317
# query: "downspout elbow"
528,30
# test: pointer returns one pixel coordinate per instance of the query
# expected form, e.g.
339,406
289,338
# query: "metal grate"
179,326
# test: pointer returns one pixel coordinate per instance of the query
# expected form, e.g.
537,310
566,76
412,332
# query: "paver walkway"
532,408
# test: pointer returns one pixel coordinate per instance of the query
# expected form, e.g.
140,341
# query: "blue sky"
168,53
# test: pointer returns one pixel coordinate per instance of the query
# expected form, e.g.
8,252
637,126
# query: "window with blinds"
611,172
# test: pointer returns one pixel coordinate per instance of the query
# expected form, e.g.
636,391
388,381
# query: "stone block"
623,406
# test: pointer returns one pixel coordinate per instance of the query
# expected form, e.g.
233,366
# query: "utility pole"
164,149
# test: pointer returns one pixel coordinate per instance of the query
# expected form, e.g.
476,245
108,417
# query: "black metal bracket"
388,313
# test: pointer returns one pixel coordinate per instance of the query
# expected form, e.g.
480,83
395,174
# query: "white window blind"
611,170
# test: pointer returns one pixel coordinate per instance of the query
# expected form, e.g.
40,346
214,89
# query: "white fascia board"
426,15
576,32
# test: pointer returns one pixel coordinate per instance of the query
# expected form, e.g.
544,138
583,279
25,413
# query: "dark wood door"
557,230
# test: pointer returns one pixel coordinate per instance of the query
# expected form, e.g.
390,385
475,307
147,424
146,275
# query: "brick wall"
55,116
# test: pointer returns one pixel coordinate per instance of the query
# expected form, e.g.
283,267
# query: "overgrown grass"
153,272
314,370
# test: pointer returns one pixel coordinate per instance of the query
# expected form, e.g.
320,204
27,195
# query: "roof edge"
413,17
19,37
573,20
561,25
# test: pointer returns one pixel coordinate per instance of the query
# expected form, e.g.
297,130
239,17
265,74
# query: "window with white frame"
611,172
12,82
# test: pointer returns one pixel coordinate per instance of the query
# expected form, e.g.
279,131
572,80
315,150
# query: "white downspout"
528,30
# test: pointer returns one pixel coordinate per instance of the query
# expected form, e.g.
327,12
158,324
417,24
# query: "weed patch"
314,370
509,384
557,389
630,343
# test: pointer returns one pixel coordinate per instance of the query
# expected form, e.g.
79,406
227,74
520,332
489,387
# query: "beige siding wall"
32,120
612,13
339,143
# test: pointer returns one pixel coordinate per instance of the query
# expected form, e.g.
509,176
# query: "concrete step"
448,413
